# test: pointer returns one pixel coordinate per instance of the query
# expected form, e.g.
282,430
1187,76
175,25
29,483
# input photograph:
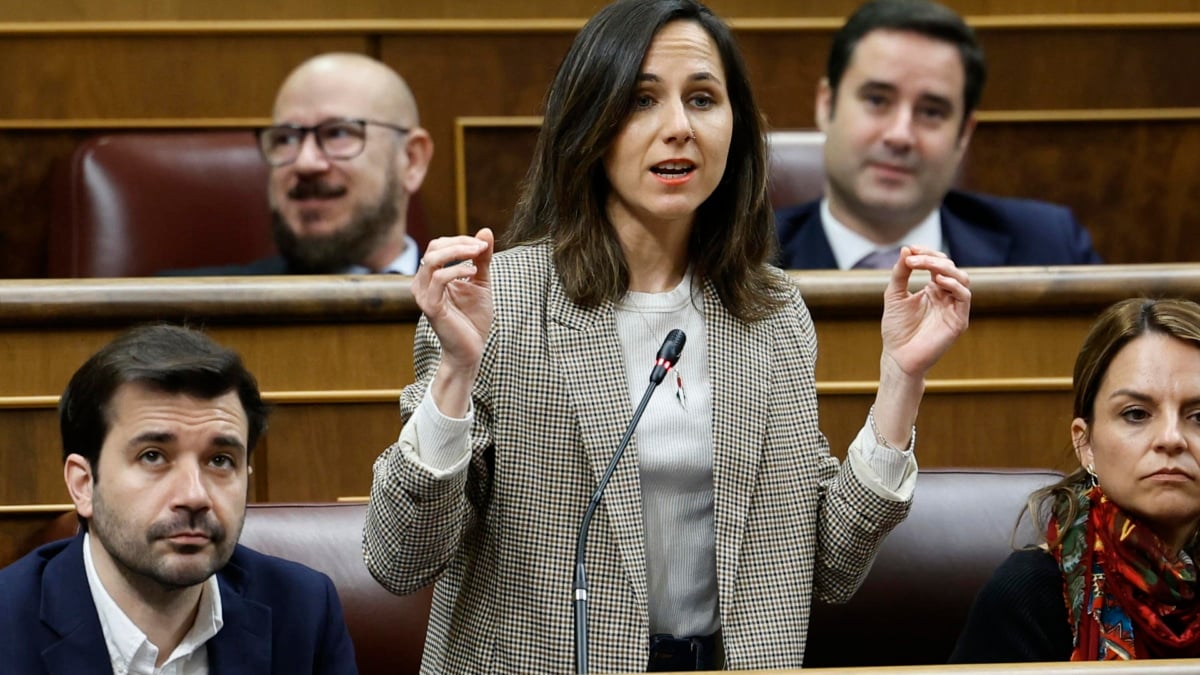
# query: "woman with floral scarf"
1115,576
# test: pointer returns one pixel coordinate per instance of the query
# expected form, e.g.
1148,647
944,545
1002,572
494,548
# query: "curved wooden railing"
332,353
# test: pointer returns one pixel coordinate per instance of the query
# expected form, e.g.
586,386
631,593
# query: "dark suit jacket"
280,617
264,266
979,231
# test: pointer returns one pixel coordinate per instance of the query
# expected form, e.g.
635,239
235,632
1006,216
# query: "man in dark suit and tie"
157,431
897,107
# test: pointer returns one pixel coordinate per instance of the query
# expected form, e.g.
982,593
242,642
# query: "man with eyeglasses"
346,153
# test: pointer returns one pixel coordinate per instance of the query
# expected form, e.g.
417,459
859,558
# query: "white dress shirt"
849,246
131,652
405,263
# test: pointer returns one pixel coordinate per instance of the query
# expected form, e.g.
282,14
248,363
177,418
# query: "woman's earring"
1091,472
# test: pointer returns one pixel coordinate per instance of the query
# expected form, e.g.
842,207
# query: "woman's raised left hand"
919,327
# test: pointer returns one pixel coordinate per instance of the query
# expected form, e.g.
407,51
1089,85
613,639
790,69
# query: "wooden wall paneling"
324,350
26,158
324,357
69,84
785,67
1006,429
292,10
492,159
998,398
1091,68
1035,7
279,10
1036,70
1124,179
848,348
31,454
320,451
315,451
505,74
40,362
343,357
1134,184
1074,66
146,76
983,429
972,9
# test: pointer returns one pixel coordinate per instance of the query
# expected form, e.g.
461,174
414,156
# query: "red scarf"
1127,596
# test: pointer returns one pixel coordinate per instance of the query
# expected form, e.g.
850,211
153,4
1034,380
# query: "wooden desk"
1164,667
332,353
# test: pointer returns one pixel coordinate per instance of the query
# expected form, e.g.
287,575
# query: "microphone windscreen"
672,347
668,355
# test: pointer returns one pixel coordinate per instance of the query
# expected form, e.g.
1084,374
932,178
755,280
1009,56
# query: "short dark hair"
172,359
565,191
917,16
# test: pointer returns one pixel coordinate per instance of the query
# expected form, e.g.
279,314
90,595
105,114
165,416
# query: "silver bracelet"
880,440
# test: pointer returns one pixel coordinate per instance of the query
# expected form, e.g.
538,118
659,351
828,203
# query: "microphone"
664,361
668,355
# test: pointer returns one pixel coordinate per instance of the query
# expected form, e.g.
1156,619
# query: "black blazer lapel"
67,608
243,645
803,245
970,245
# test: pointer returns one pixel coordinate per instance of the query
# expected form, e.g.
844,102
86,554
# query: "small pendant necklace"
680,393
689,312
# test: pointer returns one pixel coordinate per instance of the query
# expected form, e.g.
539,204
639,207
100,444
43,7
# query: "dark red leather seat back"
135,203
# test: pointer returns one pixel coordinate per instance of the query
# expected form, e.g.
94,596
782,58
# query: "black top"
1019,615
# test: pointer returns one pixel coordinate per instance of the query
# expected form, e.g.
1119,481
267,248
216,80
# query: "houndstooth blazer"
551,404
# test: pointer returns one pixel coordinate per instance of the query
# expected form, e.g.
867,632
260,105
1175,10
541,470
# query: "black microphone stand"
581,586
667,356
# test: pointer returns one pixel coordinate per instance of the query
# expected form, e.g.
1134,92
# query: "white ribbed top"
674,452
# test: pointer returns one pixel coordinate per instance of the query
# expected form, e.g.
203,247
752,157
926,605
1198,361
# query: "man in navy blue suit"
897,106
157,433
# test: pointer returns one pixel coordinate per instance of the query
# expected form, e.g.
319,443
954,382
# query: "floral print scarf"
1127,596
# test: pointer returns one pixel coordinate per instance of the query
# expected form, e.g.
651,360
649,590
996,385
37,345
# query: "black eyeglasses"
337,138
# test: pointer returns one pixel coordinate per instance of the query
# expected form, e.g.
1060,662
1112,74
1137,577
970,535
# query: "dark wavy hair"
1116,327
917,16
565,191
166,358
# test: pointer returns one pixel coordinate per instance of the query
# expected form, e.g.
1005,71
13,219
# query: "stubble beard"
369,226
136,560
